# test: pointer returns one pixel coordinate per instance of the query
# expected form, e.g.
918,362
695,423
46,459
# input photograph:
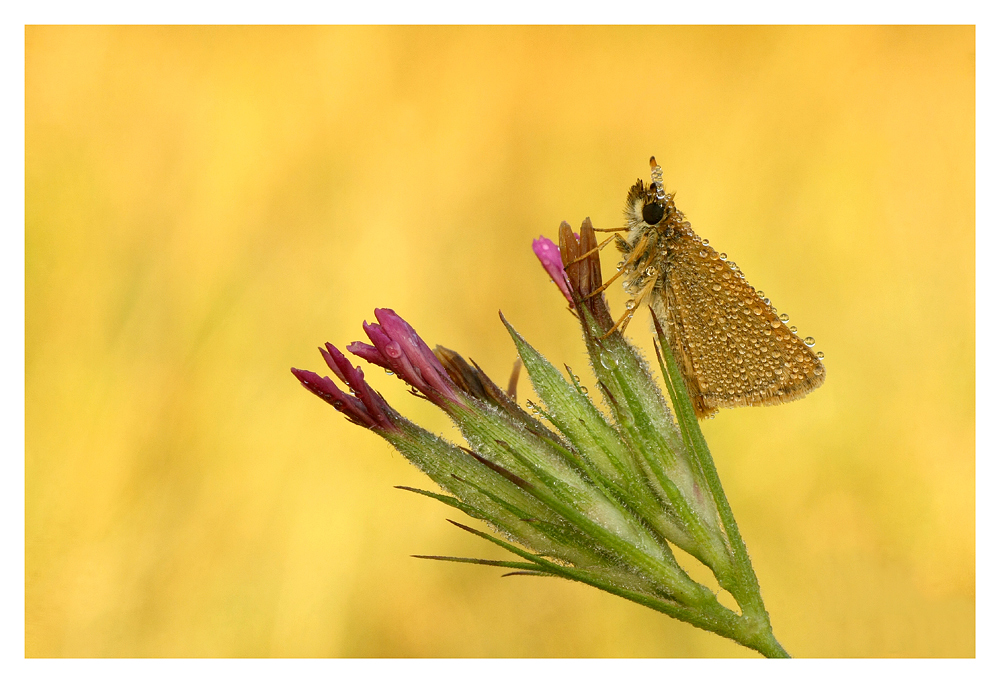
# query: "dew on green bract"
809,341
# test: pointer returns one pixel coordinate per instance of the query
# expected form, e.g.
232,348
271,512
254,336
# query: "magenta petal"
330,362
376,334
548,253
324,387
412,345
374,403
397,362
346,370
368,353
416,350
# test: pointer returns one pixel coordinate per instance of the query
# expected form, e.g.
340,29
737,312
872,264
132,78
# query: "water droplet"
620,265
775,324
760,293
793,329
819,354
703,253
389,372
338,404
809,341
705,242
757,310
630,304
783,317
716,287
584,390
651,271
722,256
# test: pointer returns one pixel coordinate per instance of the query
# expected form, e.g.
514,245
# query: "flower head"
398,347
365,407
583,497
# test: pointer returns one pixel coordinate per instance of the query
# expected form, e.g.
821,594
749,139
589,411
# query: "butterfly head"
648,206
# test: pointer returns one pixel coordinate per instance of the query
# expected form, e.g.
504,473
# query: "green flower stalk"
568,491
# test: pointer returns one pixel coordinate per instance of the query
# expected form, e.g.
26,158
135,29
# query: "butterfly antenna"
656,174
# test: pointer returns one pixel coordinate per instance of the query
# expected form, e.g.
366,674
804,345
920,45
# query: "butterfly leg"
592,251
627,317
637,253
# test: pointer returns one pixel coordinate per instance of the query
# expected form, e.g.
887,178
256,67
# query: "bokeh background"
204,206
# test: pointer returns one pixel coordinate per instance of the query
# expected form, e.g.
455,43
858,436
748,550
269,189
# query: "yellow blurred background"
207,205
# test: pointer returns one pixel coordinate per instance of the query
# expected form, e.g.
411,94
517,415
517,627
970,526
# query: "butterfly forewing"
729,342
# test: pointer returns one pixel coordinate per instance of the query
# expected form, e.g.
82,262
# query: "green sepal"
647,425
574,415
486,563
461,475
743,585
638,553
710,616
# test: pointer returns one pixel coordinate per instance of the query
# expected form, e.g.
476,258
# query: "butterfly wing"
729,343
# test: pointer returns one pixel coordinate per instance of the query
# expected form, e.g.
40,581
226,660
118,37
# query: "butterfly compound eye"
652,213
